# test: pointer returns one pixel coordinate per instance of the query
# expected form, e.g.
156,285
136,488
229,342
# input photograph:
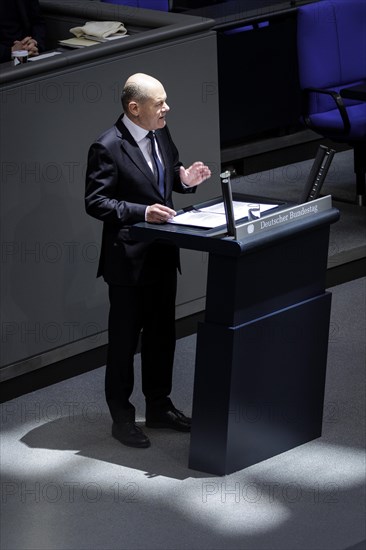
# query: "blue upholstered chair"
162,5
332,57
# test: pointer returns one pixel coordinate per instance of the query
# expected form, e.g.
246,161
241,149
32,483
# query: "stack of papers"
214,216
88,41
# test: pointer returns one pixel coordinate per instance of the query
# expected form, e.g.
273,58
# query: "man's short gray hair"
133,92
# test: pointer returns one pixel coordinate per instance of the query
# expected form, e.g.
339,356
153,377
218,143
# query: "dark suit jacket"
119,186
18,19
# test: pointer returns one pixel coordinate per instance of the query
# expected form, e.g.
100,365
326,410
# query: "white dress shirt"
139,135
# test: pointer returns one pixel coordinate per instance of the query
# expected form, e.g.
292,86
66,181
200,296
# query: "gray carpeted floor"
66,484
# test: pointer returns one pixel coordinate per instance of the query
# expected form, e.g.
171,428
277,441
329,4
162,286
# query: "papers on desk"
94,32
106,39
78,42
43,56
214,215
86,41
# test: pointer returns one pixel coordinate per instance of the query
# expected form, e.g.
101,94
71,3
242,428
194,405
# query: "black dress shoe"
171,418
130,434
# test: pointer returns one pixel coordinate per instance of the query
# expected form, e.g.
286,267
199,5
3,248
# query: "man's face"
151,113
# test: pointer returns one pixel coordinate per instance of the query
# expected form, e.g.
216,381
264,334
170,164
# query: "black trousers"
149,308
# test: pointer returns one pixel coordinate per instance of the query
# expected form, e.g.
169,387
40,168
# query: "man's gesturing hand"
195,174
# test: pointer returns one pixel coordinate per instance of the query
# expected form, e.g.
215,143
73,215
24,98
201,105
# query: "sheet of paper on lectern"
214,215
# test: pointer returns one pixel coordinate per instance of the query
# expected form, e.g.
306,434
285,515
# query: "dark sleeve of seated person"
21,28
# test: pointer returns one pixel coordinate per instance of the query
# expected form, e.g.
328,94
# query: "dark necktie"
158,167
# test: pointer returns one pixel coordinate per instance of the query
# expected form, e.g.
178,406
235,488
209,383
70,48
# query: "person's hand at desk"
28,43
159,213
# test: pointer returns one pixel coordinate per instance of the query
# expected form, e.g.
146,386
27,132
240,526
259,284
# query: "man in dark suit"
132,170
21,28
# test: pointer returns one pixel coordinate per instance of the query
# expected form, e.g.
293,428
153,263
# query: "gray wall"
50,297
